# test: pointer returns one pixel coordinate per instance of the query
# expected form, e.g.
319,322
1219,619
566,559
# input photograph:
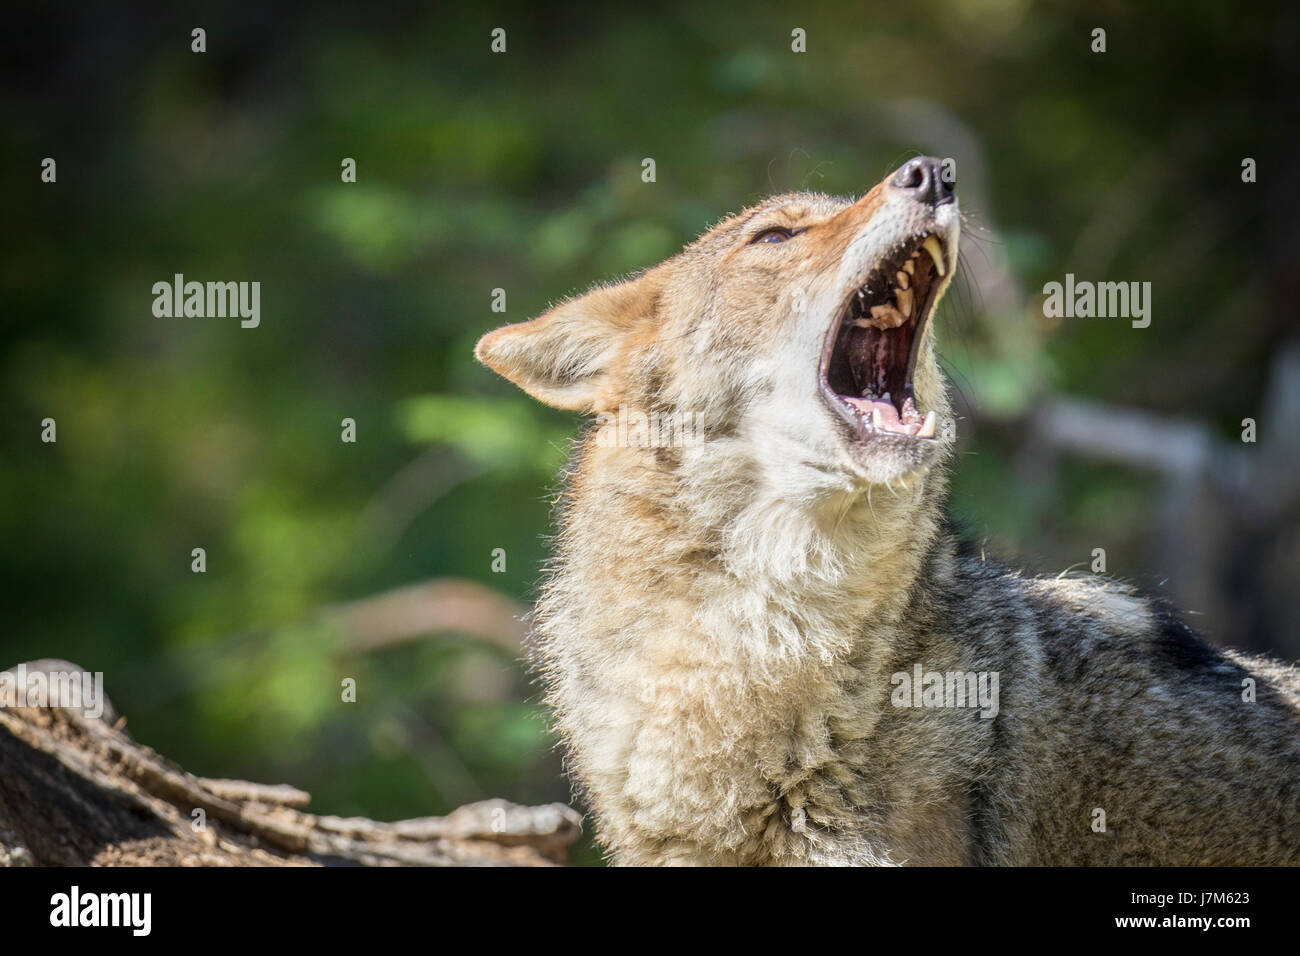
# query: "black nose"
923,178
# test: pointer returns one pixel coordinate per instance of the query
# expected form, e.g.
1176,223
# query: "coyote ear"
566,356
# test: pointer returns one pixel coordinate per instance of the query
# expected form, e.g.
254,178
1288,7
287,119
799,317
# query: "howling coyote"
765,645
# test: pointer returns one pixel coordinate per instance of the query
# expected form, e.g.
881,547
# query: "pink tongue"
889,419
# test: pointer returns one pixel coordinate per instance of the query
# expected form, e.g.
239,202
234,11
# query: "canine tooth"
904,298
902,280
931,245
910,265
927,427
876,421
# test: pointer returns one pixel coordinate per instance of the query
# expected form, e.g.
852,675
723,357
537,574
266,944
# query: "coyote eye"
775,234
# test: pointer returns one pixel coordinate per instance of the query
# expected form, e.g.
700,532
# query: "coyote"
767,645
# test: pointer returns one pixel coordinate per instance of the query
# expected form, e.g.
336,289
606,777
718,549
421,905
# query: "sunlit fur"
721,622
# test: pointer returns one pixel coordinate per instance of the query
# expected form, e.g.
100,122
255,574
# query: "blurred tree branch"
1227,506
438,605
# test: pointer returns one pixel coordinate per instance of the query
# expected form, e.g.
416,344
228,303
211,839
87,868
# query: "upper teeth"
904,299
931,245
887,316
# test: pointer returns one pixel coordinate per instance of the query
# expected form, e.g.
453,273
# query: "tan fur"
719,632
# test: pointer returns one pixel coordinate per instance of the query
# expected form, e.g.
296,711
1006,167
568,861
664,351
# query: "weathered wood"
77,790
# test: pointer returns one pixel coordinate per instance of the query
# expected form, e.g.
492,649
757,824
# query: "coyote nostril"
923,178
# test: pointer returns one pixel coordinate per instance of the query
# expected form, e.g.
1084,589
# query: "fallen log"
77,790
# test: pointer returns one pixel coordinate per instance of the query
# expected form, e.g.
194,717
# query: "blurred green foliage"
521,172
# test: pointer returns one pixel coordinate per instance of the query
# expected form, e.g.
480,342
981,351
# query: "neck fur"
688,638
767,583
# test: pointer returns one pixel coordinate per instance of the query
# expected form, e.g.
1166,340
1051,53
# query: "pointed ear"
567,356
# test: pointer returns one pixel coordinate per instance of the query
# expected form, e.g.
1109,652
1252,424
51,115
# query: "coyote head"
795,334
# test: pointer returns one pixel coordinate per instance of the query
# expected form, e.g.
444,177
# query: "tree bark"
78,791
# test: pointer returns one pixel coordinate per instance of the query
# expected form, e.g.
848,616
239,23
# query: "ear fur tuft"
569,356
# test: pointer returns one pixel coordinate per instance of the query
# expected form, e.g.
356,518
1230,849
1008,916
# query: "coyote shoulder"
766,646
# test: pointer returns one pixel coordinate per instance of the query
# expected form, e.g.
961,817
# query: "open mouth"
870,351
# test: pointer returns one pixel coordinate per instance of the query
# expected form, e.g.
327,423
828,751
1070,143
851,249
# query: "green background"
522,171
